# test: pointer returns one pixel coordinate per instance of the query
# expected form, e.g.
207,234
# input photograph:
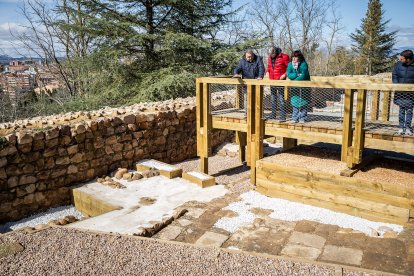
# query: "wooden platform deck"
371,194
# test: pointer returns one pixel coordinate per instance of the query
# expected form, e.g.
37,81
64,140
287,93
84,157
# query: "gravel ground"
42,218
79,253
328,160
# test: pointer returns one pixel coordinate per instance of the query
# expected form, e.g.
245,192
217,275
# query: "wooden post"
289,143
206,130
199,116
239,101
241,140
258,135
250,122
375,99
385,113
347,124
359,133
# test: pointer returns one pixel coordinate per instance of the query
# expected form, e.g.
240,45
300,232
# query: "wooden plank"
347,124
383,187
396,146
375,101
207,130
219,124
335,188
332,206
300,134
409,88
385,112
289,143
336,198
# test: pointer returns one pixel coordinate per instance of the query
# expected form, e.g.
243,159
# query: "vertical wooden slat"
258,132
385,113
375,105
250,122
359,133
239,102
347,124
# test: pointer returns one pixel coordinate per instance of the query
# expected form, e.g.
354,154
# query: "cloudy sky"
400,13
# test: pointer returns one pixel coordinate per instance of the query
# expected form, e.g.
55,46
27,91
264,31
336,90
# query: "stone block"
201,179
342,255
170,232
306,239
300,251
212,239
24,138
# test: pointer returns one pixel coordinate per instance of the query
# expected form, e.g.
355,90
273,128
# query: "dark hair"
408,54
249,51
299,55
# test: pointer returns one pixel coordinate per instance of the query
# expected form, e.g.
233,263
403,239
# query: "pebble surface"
79,253
42,218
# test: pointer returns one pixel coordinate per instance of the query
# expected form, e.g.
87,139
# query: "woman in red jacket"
276,69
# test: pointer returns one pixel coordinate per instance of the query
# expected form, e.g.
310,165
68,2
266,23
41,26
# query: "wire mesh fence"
228,99
389,112
323,107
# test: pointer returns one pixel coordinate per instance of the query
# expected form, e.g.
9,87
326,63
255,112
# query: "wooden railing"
252,134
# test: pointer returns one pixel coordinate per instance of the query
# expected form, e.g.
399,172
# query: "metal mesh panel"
228,99
322,107
389,112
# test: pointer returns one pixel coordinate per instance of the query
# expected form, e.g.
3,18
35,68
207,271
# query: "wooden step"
165,169
201,179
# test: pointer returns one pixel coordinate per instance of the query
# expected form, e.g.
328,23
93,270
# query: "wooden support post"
289,143
241,140
385,112
250,121
257,144
199,116
359,133
375,100
206,131
347,124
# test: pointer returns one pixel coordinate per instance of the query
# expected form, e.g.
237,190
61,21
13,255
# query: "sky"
400,13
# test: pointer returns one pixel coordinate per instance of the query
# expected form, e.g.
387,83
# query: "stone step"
165,169
201,179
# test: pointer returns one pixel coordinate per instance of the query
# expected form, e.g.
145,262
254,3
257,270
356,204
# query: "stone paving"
307,240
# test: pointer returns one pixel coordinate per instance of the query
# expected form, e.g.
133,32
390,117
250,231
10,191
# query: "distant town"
18,77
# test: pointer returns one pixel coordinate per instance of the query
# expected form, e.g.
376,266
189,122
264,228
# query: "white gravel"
292,211
42,218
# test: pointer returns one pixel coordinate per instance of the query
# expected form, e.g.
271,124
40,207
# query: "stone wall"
38,165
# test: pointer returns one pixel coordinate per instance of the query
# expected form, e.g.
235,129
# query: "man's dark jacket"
250,70
403,73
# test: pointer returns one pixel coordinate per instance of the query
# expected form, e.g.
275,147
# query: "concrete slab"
212,239
342,255
169,194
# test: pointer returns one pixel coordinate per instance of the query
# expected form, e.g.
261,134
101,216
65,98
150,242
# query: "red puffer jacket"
281,63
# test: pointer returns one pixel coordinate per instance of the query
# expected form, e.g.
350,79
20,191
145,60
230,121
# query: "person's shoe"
409,132
302,121
401,131
293,122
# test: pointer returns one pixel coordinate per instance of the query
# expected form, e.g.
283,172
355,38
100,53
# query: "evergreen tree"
372,43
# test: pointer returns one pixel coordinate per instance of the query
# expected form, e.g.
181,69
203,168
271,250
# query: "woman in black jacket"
404,73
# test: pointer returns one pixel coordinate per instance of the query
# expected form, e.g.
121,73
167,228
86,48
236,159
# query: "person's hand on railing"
282,77
259,78
237,76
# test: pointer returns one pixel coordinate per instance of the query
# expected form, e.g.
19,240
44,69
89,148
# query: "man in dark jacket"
404,73
250,67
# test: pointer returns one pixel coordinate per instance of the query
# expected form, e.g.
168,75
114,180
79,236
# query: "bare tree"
335,27
265,16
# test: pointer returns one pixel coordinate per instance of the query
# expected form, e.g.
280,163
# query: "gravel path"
81,253
42,218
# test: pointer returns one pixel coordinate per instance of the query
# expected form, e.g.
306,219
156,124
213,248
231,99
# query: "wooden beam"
301,134
199,115
347,124
207,130
250,123
359,135
219,124
258,132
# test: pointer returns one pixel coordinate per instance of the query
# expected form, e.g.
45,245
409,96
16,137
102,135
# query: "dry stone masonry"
41,157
